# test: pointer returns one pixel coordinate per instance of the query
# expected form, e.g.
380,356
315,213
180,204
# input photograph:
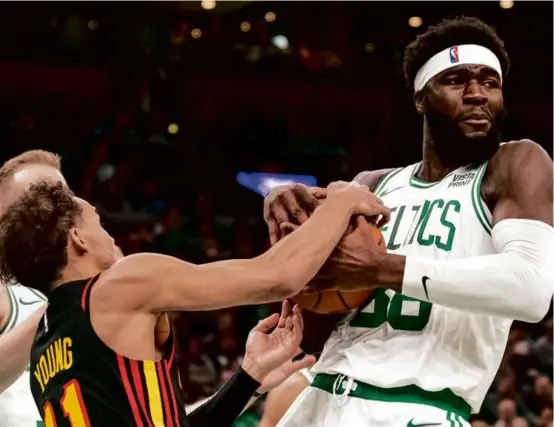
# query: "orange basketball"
333,302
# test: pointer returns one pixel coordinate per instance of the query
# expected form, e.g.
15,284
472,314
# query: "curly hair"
34,234
448,33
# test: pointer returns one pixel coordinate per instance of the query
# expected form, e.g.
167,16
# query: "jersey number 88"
392,314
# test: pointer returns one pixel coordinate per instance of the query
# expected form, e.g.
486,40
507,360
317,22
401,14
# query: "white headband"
453,56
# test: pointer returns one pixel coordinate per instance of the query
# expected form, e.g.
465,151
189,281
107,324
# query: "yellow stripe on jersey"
153,387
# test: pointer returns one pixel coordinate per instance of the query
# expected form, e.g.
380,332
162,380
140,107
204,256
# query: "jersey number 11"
72,405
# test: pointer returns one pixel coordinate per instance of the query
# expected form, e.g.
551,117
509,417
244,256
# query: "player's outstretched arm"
15,347
152,282
517,282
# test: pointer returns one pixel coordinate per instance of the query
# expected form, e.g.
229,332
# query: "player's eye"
491,84
454,80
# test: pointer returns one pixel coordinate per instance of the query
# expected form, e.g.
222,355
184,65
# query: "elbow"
537,302
287,283
533,314
536,312
286,279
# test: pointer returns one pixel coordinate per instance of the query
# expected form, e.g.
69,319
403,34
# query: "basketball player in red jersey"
15,177
105,358
16,174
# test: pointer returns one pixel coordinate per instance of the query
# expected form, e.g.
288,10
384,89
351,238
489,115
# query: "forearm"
279,273
15,347
224,407
516,283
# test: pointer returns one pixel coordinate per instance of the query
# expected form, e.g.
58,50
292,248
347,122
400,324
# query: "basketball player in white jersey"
470,245
20,307
17,407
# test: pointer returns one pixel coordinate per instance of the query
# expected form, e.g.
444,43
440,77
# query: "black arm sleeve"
223,409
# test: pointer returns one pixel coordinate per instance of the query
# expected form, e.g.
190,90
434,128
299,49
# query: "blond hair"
31,157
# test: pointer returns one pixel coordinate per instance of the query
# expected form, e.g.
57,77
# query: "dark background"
101,83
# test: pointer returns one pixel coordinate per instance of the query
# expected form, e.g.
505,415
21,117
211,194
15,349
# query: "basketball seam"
317,301
343,300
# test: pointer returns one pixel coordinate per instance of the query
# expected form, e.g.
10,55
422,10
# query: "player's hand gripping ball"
347,261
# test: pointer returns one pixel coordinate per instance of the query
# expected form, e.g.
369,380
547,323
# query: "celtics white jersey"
307,374
17,406
397,341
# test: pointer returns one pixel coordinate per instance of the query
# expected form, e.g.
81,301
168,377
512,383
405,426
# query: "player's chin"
475,132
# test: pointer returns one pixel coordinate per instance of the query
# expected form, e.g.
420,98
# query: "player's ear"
419,104
77,241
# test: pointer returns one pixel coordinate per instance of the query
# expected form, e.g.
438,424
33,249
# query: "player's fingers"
375,209
293,207
286,228
285,312
306,362
289,324
298,313
384,220
274,233
296,329
279,210
267,324
307,196
382,210
318,192
360,221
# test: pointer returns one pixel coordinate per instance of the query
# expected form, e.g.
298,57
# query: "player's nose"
474,94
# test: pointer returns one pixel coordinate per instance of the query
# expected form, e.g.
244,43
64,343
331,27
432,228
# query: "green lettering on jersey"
430,239
421,217
425,232
378,311
451,227
391,245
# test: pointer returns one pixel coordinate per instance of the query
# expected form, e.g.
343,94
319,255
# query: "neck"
76,270
434,166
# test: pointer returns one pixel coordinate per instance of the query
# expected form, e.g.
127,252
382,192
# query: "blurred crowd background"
156,106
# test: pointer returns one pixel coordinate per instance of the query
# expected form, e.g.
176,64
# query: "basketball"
334,302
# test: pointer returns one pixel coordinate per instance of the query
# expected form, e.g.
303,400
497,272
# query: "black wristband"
227,404
246,380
